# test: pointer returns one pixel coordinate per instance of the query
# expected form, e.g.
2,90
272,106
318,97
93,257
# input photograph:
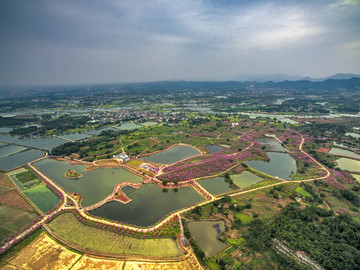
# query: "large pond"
357,177
273,144
75,136
214,148
349,164
351,134
93,186
215,185
13,161
149,204
245,179
11,150
280,165
206,234
40,143
128,126
172,155
342,152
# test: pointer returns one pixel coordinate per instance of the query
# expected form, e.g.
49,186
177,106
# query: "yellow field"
43,253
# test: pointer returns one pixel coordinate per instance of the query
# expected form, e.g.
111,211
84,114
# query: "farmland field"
246,219
43,253
42,197
12,219
13,198
96,239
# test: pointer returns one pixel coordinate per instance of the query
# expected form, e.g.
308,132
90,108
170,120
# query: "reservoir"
172,155
280,165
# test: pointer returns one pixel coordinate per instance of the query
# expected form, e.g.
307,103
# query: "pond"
149,124
206,234
280,165
128,126
40,143
348,164
149,204
13,161
93,186
357,177
245,179
5,129
11,150
172,155
214,148
351,134
273,144
215,185
75,136
342,152
98,131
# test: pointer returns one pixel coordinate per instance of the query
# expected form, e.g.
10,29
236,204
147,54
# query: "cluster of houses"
125,115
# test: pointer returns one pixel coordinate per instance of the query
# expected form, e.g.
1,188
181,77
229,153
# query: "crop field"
4,181
42,197
100,240
245,219
43,253
12,219
14,199
303,192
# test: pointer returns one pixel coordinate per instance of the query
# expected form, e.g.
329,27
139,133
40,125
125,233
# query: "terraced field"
95,239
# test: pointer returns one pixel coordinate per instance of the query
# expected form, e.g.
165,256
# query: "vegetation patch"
42,197
110,241
72,174
303,192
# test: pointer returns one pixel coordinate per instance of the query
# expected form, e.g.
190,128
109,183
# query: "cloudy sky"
46,42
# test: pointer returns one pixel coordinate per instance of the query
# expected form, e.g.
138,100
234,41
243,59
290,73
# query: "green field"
237,242
245,219
100,240
42,197
12,219
303,192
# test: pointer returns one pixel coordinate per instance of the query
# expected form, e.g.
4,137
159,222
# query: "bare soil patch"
13,198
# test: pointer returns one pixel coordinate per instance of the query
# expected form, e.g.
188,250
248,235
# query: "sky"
59,42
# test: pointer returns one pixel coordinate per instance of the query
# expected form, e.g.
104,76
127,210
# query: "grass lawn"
245,219
303,192
42,197
110,242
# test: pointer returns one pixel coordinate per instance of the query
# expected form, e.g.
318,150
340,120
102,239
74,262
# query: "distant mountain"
344,76
285,77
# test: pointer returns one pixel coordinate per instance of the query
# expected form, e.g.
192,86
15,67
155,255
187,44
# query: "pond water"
342,152
280,165
215,185
40,143
348,164
5,129
75,136
13,161
214,148
93,186
351,134
42,197
128,126
357,177
98,131
149,124
10,150
245,179
273,144
149,204
172,155
206,234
